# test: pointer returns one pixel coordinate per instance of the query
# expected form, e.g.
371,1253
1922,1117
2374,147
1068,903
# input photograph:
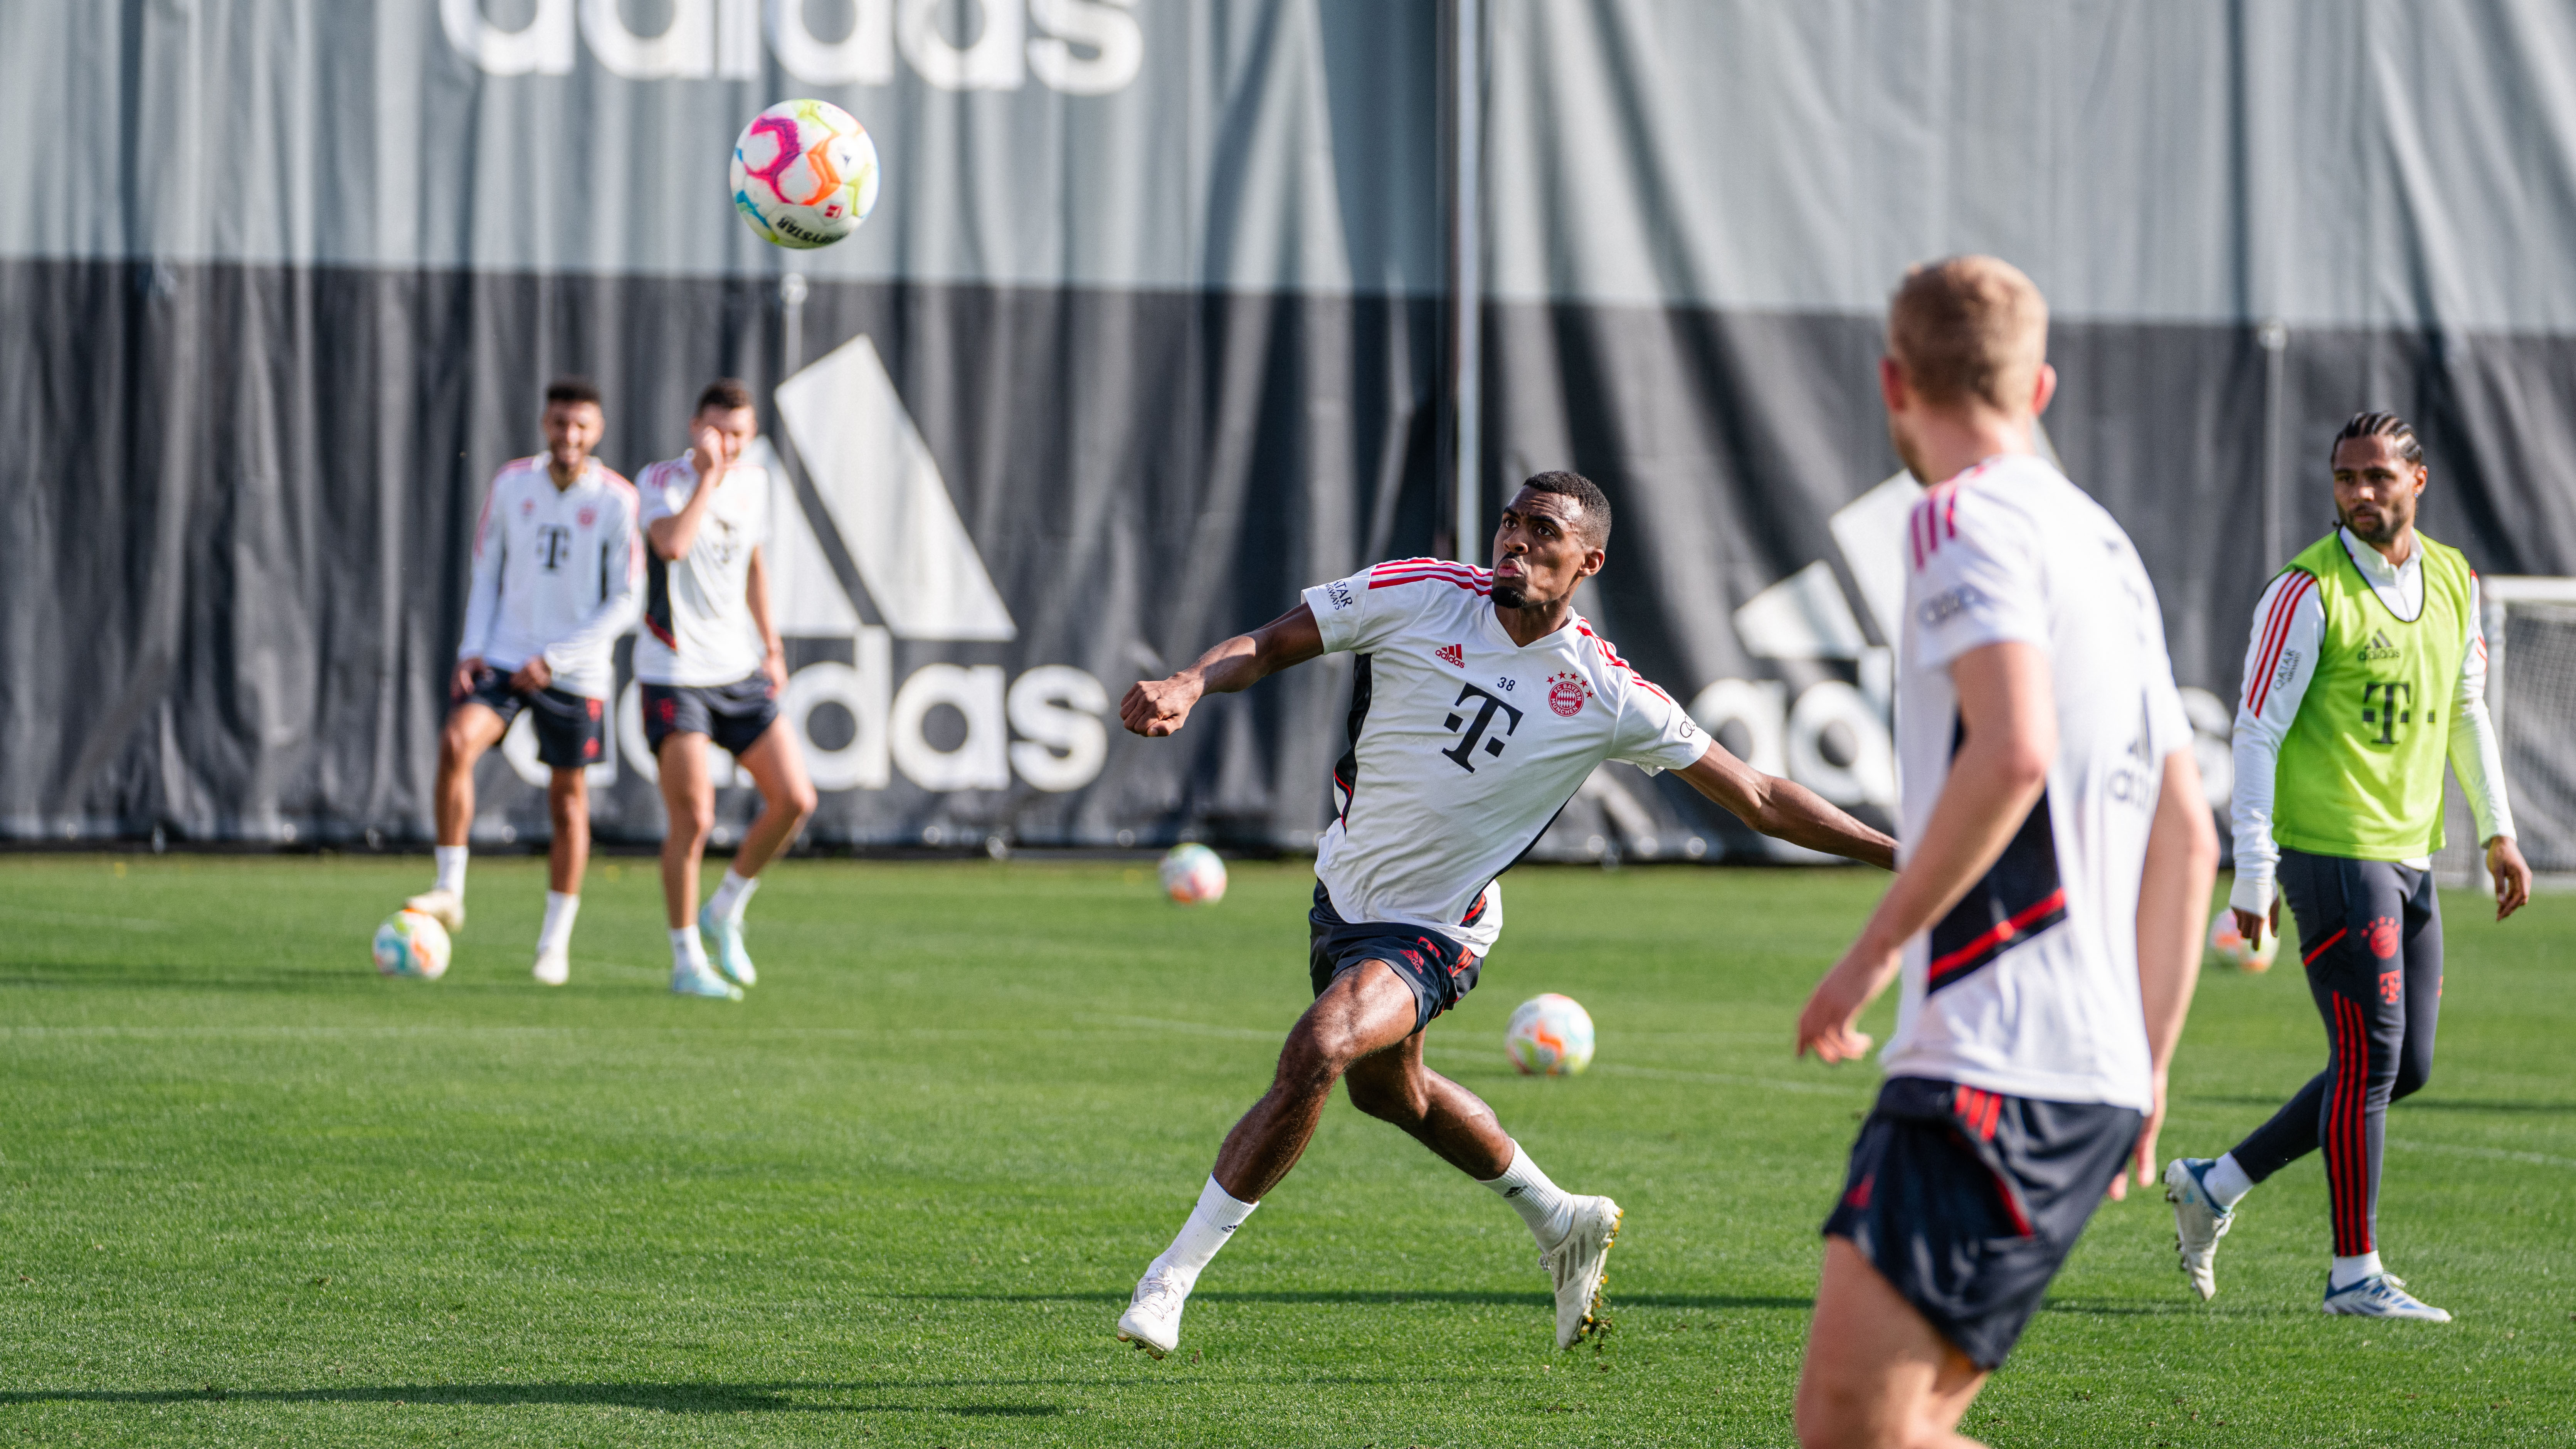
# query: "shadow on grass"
669,1398
1366,1298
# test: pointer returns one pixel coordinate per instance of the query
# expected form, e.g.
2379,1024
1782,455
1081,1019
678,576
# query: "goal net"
2531,692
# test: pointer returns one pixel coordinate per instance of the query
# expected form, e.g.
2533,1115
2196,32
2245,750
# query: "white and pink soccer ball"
1550,1036
1193,875
411,944
804,174
2229,948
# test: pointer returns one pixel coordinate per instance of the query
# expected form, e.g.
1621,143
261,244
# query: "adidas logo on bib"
2380,646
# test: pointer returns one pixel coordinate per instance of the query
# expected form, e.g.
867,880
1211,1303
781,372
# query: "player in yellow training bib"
2367,668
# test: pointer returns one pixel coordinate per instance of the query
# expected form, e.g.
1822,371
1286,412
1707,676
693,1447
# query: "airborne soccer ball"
1550,1036
2229,948
804,174
1193,875
411,944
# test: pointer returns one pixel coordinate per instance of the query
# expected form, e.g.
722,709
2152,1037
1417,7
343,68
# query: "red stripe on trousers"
2324,945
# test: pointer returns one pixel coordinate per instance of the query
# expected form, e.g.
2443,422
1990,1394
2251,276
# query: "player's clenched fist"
1157,707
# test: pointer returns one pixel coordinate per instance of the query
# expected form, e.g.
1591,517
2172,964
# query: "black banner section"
243,501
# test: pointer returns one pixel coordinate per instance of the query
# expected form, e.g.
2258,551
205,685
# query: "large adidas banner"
1150,330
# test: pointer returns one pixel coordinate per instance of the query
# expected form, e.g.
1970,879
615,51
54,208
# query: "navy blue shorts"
734,715
1968,1201
1439,971
572,729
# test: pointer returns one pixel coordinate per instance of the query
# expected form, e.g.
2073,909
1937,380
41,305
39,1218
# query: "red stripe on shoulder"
2276,634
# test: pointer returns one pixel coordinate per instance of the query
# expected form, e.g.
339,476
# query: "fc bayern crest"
1566,693
589,516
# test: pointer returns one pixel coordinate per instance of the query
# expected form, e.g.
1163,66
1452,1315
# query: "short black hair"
1587,495
571,389
2397,430
727,393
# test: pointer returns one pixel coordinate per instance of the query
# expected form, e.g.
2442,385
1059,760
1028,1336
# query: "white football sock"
1547,1208
733,895
1213,1221
2226,1182
688,953
451,867
556,933
2348,1271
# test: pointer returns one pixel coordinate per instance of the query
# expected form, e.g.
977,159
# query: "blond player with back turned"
2054,865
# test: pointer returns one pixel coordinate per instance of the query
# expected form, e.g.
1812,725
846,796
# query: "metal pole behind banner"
1466,278
2274,338
791,301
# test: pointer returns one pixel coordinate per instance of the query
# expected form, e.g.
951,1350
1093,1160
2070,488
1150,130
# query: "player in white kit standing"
709,667
1480,703
2045,918
556,566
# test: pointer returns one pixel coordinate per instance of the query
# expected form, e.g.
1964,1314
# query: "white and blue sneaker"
2381,1295
2199,1222
724,942
693,979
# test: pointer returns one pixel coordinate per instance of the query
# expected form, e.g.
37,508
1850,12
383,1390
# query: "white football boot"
696,980
445,907
2199,1222
1578,1264
553,968
725,939
2381,1295
1152,1321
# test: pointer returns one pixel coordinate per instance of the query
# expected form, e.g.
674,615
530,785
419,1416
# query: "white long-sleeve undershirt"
2280,660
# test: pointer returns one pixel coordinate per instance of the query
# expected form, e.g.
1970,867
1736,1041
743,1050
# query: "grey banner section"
2333,163
1244,145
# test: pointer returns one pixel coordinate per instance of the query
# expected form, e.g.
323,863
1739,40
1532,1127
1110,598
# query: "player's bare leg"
786,803
568,808
1366,1010
1574,1233
689,804
1877,1374
1363,1030
471,729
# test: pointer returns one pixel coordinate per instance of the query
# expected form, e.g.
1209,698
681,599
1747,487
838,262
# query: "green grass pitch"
252,1194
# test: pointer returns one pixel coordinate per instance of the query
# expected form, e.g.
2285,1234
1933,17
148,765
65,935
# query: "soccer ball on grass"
1193,875
1550,1036
411,944
2229,949
804,174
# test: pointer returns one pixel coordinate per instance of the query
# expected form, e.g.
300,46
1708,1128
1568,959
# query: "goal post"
2531,695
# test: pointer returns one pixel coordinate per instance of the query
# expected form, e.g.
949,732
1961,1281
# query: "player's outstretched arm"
2007,707
1157,707
1786,810
2173,895
672,535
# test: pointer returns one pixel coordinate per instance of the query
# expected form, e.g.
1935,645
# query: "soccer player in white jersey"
555,572
1481,702
2045,917
709,667
2367,668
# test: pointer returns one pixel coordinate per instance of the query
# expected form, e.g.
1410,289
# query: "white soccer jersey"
698,628
1465,745
2280,659
556,572
2029,986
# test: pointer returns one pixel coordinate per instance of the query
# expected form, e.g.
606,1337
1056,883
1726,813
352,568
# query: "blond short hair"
1969,329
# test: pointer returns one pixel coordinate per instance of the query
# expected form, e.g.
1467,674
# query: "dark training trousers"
2370,934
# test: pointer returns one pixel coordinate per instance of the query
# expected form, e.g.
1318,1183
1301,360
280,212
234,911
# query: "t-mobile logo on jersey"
554,545
1476,729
